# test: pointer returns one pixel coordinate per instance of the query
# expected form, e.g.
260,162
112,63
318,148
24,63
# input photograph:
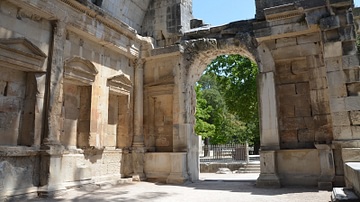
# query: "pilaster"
327,166
50,157
268,172
138,141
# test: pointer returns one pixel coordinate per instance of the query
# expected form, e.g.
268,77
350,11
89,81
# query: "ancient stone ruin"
96,91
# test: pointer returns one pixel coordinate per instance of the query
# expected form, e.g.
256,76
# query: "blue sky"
218,12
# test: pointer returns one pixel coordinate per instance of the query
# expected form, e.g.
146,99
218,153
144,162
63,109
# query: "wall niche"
79,75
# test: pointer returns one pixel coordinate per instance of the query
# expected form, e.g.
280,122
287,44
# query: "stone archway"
200,52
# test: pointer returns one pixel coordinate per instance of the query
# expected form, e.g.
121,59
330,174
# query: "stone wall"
166,21
85,99
80,76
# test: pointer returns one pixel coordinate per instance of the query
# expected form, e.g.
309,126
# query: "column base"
51,191
328,186
268,181
176,178
138,177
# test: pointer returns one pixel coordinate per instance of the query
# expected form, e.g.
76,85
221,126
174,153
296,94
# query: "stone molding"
21,54
80,70
283,12
120,84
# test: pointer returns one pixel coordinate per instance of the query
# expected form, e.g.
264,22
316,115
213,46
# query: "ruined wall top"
131,12
263,5
163,20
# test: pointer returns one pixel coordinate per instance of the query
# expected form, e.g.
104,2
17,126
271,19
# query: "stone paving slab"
212,188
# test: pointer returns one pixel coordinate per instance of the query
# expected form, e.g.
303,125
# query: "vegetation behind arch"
227,102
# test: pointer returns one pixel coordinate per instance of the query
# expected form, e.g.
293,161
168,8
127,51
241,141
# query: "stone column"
268,176
55,88
39,107
138,150
327,166
50,166
270,140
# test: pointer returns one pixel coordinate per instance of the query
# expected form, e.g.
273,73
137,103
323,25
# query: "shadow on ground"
248,186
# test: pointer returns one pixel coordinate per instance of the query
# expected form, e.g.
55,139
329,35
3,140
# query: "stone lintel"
165,52
283,31
283,12
12,151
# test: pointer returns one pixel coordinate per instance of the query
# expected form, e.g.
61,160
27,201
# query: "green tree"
203,110
227,128
230,89
236,78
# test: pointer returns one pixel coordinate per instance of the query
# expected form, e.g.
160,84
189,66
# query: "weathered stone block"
337,104
287,110
318,83
306,135
349,47
322,120
352,75
355,132
352,174
319,108
286,89
291,78
353,89
302,88
347,33
309,123
350,61
352,103
350,154
324,134
340,3
299,67
311,38
337,85
320,95
288,136
332,35
292,123
283,68
302,50
355,117
333,64
283,42
315,61
340,118
342,132
333,49
317,72
303,110
331,22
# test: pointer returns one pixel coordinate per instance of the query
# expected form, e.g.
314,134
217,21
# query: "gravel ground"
228,188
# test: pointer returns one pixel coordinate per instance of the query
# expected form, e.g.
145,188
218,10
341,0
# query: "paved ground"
212,187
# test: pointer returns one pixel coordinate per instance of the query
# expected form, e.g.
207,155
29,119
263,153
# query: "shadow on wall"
92,154
16,174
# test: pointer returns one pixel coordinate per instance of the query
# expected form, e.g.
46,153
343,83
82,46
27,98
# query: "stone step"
249,168
341,194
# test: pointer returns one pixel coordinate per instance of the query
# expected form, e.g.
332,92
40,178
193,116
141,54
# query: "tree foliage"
230,90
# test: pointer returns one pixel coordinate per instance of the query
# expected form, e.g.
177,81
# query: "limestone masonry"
93,91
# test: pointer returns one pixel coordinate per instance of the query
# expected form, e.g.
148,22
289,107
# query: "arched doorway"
199,53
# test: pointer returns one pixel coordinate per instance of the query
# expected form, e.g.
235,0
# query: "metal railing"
225,153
